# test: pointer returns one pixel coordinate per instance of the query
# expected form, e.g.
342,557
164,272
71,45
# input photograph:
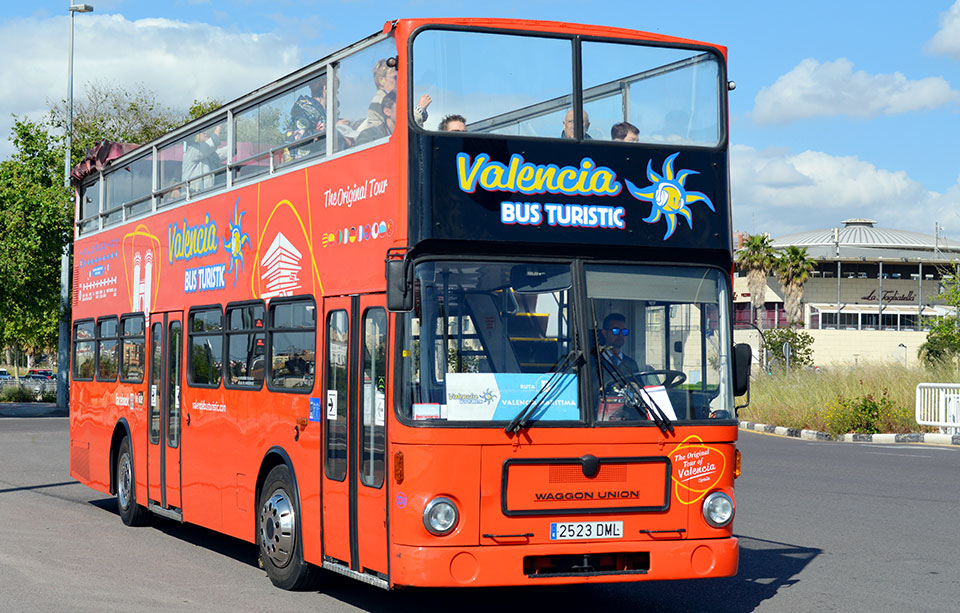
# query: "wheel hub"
277,525
124,481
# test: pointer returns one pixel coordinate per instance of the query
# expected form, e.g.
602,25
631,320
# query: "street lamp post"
63,344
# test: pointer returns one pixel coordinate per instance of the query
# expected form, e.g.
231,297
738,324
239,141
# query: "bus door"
163,449
355,384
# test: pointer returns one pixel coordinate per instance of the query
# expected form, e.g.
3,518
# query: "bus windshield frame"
516,327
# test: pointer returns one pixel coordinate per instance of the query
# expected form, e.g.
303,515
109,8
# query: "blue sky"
842,109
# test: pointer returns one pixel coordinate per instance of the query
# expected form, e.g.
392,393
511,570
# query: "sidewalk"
31,409
813,435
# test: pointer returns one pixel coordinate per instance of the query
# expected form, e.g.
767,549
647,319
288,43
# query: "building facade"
866,279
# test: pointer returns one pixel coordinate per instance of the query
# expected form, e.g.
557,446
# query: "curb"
32,409
814,435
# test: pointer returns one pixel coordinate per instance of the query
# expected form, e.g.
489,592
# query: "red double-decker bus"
449,307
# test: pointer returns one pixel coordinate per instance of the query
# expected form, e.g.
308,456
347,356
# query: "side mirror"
399,285
742,357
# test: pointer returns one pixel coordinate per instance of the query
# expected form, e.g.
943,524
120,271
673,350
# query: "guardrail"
31,386
938,405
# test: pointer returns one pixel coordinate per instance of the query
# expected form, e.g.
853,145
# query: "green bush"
861,414
841,399
12,393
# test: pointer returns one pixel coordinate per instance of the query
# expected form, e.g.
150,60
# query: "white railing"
938,404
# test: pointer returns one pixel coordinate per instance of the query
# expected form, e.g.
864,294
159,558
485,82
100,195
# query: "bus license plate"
573,530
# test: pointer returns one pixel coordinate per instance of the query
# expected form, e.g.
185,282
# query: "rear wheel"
278,533
131,513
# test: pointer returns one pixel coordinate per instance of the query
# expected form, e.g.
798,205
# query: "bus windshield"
485,338
668,95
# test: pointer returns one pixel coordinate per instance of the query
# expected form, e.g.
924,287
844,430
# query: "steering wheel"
671,378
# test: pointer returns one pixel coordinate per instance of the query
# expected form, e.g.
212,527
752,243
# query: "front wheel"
278,533
131,513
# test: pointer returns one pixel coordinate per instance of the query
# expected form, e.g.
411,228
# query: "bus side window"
373,391
245,346
132,348
206,347
338,336
293,340
84,348
107,349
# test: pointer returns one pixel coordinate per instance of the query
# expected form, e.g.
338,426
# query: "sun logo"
488,396
233,243
668,195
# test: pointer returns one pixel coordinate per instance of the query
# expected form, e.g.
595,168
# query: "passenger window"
132,349
292,345
365,79
260,134
206,347
522,87
338,336
131,187
373,392
90,208
156,353
194,164
245,346
639,93
107,349
84,348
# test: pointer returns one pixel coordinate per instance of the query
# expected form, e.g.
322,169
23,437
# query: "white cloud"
947,39
815,89
781,192
178,61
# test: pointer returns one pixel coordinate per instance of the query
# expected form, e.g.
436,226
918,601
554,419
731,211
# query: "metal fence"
33,387
938,405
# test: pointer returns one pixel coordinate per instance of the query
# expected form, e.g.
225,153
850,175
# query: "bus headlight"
440,516
718,509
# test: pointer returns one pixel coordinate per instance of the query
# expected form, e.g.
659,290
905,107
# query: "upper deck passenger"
568,126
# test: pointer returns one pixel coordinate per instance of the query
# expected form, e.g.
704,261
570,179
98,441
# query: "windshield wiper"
519,422
632,389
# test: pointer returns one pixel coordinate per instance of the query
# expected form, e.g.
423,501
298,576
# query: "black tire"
278,533
131,513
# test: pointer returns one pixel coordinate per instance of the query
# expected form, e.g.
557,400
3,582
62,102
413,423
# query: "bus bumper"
551,563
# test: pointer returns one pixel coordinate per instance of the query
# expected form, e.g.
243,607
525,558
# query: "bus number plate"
573,530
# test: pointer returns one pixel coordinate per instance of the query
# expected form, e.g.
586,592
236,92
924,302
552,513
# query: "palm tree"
793,269
757,258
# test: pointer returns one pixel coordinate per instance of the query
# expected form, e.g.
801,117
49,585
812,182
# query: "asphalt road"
823,526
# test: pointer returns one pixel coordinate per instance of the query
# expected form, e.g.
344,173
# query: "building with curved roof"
866,279
860,238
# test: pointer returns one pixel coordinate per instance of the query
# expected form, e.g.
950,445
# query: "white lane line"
902,455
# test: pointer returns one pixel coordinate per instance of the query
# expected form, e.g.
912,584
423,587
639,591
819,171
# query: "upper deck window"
521,86
194,164
502,84
663,94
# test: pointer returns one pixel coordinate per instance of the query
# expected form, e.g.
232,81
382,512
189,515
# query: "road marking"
902,455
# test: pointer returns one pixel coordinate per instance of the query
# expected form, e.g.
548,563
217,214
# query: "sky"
841,110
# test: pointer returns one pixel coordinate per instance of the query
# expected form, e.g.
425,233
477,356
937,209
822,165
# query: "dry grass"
804,399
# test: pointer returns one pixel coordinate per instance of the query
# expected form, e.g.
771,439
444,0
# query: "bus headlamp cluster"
440,516
718,509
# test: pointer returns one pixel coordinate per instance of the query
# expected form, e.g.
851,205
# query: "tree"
112,112
793,268
943,340
757,258
32,196
801,346
199,108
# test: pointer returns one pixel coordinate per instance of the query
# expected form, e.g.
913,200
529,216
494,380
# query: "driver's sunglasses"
619,331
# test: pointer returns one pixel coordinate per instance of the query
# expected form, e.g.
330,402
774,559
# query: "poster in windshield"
501,396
